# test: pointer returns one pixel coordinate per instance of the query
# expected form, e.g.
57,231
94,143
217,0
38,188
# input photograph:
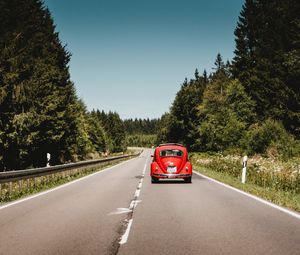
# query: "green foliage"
114,129
40,112
180,124
220,131
271,137
141,132
237,100
141,126
97,134
35,87
141,140
267,59
225,113
163,135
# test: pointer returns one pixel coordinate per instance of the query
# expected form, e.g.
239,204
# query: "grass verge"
286,198
30,187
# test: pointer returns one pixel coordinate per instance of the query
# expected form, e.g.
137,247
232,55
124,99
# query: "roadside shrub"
280,181
270,138
287,147
221,131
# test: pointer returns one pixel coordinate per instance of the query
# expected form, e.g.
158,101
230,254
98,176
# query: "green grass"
281,188
48,182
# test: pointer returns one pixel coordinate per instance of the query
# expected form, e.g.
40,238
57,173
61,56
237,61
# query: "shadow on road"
139,176
179,181
170,182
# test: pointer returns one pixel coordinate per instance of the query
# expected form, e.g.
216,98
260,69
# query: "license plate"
172,169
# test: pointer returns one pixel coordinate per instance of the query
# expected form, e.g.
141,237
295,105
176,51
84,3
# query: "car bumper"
172,176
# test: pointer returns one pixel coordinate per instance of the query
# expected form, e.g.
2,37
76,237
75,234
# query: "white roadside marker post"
48,159
245,159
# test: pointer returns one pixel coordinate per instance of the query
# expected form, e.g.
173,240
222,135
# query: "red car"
170,161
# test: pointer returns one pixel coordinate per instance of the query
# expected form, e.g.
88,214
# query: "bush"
270,137
221,131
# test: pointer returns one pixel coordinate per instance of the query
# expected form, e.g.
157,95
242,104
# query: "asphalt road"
120,205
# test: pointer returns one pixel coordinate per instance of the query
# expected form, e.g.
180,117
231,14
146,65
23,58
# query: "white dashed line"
140,185
137,193
133,205
126,234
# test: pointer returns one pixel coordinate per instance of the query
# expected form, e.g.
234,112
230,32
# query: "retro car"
170,161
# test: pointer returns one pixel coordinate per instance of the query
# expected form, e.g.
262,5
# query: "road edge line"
282,209
61,186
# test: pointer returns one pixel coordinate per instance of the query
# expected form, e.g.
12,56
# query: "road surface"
119,211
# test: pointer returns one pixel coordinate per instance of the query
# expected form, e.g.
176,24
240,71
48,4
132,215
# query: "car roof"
171,146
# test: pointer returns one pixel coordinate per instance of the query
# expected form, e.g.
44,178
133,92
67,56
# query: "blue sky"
131,56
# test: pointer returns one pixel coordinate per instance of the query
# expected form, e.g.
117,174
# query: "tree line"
141,126
251,104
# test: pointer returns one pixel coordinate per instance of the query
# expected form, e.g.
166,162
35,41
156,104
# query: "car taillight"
187,168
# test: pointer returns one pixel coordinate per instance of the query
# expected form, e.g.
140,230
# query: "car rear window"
171,153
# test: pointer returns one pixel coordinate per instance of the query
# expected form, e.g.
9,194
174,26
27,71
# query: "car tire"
154,180
188,180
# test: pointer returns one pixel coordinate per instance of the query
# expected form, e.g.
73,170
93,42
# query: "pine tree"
245,34
197,74
267,52
221,74
205,78
219,64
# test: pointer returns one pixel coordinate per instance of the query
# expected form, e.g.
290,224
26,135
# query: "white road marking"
61,186
120,211
133,205
137,193
282,209
124,237
140,185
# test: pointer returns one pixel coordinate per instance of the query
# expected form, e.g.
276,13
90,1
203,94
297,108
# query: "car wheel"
188,180
154,180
